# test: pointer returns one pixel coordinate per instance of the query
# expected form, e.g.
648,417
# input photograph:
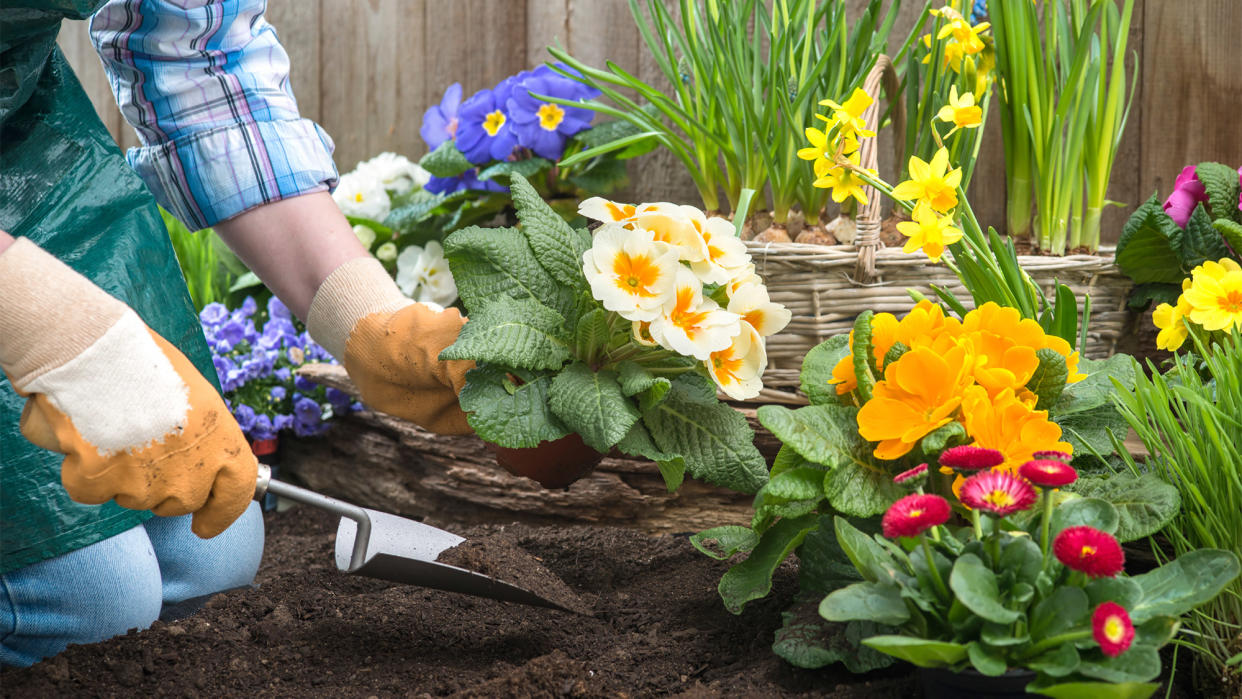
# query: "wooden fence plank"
1192,89
297,24
75,43
547,24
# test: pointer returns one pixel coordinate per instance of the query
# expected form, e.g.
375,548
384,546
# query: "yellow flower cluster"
964,41
834,150
1211,298
973,371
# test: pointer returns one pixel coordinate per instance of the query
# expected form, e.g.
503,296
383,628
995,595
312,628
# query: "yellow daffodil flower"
932,183
960,111
930,232
848,116
845,182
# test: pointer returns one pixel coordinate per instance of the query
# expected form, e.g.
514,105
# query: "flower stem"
931,566
1054,641
1046,525
974,519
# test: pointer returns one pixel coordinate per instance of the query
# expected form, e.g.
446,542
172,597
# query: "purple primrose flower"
542,126
440,121
468,180
485,132
1188,192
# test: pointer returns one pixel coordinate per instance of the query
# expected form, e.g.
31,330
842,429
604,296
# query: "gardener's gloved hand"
136,421
390,345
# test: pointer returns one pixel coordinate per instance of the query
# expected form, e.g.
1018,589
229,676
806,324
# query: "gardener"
108,367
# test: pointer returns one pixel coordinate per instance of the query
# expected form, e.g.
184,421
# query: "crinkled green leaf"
894,353
526,168
1150,248
824,434
591,335
722,543
445,161
1145,297
1088,431
1220,183
488,263
635,379
860,491
1048,381
866,601
1183,584
786,459
713,438
638,442
1145,503
1097,388
975,586
1201,241
752,579
520,334
822,564
803,483
558,247
1231,231
941,438
591,404
817,369
863,351
809,641
503,413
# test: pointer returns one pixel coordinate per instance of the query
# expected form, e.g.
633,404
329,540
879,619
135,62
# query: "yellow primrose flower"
960,111
738,368
844,182
932,183
1173,331
630,272
930,232
849,115
1215,295
692,325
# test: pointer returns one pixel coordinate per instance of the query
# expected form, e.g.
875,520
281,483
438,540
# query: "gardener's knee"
84,596
194,569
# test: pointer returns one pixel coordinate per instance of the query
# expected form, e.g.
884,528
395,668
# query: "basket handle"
867,219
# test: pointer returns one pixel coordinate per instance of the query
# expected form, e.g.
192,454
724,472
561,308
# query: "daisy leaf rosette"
615,336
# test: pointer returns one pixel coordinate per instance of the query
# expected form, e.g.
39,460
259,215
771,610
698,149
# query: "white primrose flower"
692,325
386,252
407,262
435,281
630,273
362,196
670,224
396,173
752,303
738,369
743,276
601,209
726,253
366,236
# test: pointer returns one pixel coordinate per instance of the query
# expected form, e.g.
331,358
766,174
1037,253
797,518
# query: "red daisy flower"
1089,550
915,514
1110,624
968,458
1054,455
1048,473
912,478
998,492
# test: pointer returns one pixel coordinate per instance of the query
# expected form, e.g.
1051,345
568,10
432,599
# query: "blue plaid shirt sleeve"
205,83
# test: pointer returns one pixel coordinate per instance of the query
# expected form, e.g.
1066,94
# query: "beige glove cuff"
49,313
352,292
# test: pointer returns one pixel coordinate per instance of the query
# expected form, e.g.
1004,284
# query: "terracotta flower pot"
939,683
553,464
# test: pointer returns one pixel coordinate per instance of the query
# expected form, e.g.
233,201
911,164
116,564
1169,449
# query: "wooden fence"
367,69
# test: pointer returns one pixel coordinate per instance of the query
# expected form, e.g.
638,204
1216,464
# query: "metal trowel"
387,547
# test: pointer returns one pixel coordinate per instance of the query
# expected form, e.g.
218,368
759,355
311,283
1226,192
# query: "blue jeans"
121,583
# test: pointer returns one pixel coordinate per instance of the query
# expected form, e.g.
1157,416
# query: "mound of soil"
659,629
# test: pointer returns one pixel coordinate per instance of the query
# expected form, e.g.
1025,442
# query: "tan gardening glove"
390,345
136,421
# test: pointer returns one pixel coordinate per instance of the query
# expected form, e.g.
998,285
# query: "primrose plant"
623,337
1015,590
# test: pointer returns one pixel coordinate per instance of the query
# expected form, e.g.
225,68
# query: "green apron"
66,186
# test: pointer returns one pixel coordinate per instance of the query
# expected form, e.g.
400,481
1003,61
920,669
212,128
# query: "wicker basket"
827,287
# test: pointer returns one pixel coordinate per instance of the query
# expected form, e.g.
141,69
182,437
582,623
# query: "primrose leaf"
635,379
804,483
823,434
866,601
1232,232
445,161
786,460
591,335
1150,248
809,641
822,564
1145,503
942,437
713,438
1097,389
817,369
638,442
525,168
488,263
860,490
591,404
722,543
752,578
1146,296
508,415
1220,182
1088,431
558,247
1048,381
1202,242
1090,512
520,334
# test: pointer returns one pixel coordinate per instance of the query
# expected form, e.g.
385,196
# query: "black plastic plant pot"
939,683
553,464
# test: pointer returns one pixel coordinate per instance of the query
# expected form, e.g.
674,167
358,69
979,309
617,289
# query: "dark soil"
500,556
659,630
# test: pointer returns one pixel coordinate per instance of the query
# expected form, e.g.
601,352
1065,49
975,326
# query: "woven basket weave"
827,287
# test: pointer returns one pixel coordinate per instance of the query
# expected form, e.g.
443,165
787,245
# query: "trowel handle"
266,484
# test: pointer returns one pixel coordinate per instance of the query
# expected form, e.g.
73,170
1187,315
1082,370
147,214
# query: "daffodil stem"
932,569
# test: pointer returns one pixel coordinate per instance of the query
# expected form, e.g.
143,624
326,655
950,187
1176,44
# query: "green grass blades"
1189,419
206,263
